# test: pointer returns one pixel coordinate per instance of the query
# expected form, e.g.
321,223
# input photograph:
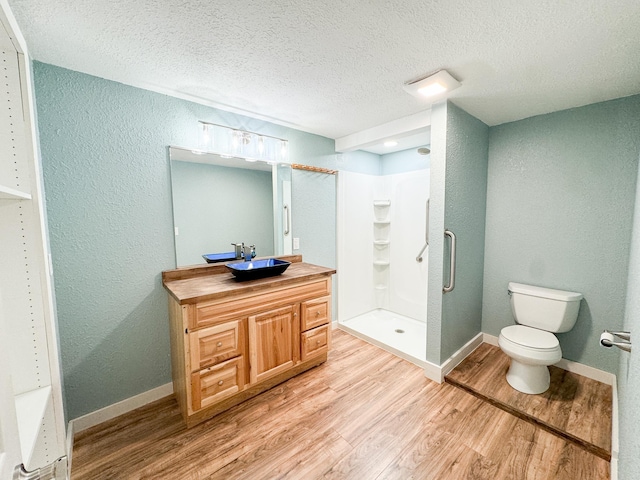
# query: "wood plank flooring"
365,414
575,407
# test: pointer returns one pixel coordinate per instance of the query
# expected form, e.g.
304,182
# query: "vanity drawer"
315,313
212,384
215,344
315,342
219,311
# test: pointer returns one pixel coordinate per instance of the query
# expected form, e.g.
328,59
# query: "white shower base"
380,327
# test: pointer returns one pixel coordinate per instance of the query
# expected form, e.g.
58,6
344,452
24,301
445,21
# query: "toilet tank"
544,308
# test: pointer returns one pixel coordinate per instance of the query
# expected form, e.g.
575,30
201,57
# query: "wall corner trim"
112,411
437,373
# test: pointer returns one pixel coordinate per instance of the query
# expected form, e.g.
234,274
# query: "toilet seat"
530,338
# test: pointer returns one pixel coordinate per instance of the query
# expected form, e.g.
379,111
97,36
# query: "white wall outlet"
177,231
296,243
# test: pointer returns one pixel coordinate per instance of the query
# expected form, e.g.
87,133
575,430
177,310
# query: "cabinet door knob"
219,344
220,382
295,314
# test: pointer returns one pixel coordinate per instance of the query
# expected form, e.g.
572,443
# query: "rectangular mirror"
220,200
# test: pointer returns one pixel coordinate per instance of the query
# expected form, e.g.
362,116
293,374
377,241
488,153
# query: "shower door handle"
287,220
452,264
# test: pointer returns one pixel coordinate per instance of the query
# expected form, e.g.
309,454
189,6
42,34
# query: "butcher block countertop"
199,283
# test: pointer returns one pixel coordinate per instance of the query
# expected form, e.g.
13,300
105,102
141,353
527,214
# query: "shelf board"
381,203
13,194
381,263
30,410
381,243
381,222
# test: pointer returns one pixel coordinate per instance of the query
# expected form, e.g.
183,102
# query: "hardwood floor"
575,407
365,414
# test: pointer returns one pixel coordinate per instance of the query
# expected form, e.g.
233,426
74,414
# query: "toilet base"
531,379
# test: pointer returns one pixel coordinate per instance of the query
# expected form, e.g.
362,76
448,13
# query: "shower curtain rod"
299,166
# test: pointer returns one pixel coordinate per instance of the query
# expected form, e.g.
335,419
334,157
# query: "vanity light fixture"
432,86
232,142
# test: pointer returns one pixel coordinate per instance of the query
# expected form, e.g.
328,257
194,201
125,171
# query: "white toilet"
531,345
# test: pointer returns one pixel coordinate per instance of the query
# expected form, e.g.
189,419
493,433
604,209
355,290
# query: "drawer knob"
220,382
219,344
318,313
317,342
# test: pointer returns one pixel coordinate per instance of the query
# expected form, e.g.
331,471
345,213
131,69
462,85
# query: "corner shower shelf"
381,243
381,222
381,263
380,287
381,203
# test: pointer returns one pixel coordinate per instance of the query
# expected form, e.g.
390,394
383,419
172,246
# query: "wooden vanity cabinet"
231,346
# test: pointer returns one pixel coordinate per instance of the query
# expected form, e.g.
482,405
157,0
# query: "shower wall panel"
355,244
404,277
408,278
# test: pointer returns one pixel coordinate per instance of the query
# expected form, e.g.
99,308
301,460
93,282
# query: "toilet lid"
530,337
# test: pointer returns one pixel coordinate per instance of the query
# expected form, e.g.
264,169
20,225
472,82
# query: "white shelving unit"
7,193
27,318
30,410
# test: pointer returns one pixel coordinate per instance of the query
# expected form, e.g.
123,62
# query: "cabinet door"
315,312
215,344
272,342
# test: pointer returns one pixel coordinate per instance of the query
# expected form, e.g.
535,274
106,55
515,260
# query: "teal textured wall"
459,145
403,161
465,202
107,188
360,161
559,212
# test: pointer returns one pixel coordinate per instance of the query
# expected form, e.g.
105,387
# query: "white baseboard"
437,373
490,339
615,432
107,413
574,367
69,447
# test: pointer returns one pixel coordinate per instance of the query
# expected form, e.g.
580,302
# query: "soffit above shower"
409,132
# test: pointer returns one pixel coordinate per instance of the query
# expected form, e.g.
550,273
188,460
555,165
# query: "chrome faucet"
239,247
249,252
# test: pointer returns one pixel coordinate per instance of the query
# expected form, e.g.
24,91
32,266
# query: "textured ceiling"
335,67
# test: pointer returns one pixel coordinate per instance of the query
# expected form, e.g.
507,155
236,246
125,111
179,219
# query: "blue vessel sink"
268,267
219,257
